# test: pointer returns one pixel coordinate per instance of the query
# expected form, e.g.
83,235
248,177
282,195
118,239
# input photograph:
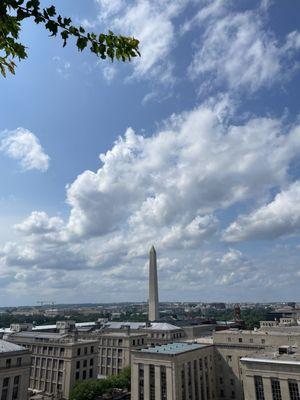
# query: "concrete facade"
178,371
14,371
115,351
58,361
271,376
153,287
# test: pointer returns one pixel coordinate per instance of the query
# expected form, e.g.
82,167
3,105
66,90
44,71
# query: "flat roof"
174,348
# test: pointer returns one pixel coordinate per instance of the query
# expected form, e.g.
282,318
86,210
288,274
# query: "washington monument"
153,287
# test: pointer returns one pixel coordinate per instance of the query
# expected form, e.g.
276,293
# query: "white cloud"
279,217
24,146
166,190
237,50
152,23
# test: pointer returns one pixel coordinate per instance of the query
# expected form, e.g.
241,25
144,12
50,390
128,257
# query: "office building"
14,371
177,371
58,360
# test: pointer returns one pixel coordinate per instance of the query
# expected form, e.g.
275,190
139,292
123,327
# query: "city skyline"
192,148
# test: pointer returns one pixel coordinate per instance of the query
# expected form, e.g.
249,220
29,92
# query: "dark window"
133,342
294,390
62,351
15,392
78,352
84,374
152,381
92,349
221,393
196,383
5,382
163,383
233,394
84,363
141,382
85,350
182,383
91,361
91,373
16,380
259,388
19,361
276,392
77,364
8,363
231,382
77,375
240,340
4,394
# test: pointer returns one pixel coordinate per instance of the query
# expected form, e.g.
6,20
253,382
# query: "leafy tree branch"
14,12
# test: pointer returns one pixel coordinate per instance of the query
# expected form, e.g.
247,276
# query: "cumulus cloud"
280,217
166,190
23,146
238,51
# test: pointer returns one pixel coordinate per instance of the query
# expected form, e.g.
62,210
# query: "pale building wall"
16,377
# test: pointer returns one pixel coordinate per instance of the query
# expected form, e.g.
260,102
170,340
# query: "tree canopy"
14,12
89,389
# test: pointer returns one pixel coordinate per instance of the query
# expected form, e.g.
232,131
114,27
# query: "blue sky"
199,142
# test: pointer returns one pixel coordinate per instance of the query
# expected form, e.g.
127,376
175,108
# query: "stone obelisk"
153,287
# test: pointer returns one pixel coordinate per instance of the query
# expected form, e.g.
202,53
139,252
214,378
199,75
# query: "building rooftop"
121,334
6,347
160,326
273,357
174,348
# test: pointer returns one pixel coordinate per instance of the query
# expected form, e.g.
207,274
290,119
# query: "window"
8,363
152,381
240,340
85,350
77,364
163,383
19,361
294,390
251,340
276,392
60,364
229,358
233,394
91,361
91,373
259,388
141,382
92,349
221,381
229,339
16,380
78,352
84,374
62,351
231,382
77,375
84,363
263,341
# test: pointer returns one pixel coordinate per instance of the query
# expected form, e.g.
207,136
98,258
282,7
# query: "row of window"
47,387
37,373
110,361
9,362
15,382
109,351
85,350
84,374
276,389
84,363
46,350
251,340
108,370
51,363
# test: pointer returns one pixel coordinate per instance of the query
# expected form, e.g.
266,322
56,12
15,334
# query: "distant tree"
14,12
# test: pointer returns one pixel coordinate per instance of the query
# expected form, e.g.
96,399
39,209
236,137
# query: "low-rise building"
14,371
177,371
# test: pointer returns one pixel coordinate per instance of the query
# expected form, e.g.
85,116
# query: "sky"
194,148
